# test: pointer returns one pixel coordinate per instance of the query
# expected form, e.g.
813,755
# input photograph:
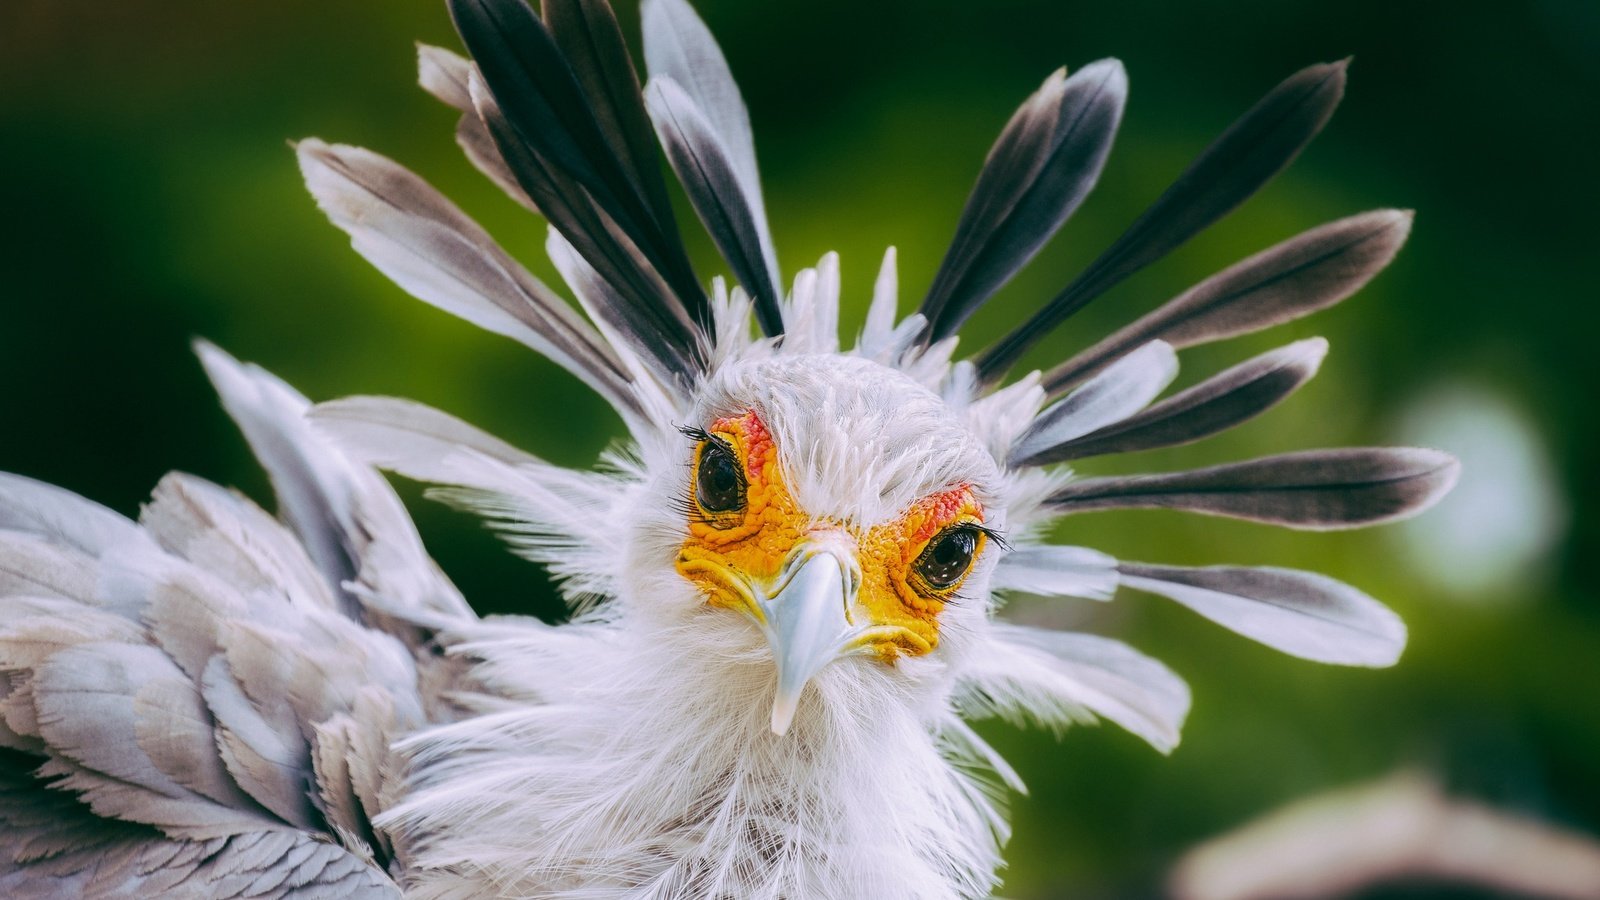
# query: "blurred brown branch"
1400,828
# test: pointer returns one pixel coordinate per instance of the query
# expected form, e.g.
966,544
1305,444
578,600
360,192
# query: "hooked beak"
808,621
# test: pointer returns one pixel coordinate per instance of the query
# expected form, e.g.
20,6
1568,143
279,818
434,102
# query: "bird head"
836,505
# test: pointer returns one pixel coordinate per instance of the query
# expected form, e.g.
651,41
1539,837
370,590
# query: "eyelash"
993,534
694,433
699,436
685,504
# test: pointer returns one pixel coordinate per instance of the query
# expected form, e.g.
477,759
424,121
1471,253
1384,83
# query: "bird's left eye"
944,562
719,485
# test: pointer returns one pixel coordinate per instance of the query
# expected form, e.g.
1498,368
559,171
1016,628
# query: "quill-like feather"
678,45
1300,276
428,246
448,77
1316,489
1301,613
408,437
1054,677
1120,391
551,118
1041,168
1255,148
879,325
701,159
649,313
1056,571
590,39
1214,405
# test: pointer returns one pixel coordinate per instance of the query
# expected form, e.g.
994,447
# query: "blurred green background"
151,197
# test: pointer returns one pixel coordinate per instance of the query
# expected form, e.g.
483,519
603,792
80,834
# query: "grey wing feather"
32,566
327,490
118,731
313,496
67,851
62,517
209,713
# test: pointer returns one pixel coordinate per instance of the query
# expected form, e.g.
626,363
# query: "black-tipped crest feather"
1295,278
679,46
1040,169
1254,149
1212,406
1316,490
701,160
646,311
589,36
554,144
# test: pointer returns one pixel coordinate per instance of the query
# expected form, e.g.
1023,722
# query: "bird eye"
719,485
948,556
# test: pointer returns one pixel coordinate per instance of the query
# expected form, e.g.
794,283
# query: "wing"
202,702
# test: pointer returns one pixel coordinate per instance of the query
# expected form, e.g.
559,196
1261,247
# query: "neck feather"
617,758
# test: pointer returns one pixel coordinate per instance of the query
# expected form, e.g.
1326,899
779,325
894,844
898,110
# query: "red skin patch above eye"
941,509
756,441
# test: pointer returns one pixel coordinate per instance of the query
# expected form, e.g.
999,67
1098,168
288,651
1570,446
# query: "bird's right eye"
719,483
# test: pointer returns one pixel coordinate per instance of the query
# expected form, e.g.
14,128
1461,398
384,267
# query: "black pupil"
946,561
718,487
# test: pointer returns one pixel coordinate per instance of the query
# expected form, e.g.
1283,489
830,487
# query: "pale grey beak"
809,621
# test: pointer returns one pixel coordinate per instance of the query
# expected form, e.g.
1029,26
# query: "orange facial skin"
892,591
753,542
724,552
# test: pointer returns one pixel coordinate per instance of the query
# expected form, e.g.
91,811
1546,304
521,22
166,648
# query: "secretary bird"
784,582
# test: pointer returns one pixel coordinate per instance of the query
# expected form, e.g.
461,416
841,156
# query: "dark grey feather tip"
1315,490
1254,149
706,170
1220,402
589,36
1305,274
552,138
1043,165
